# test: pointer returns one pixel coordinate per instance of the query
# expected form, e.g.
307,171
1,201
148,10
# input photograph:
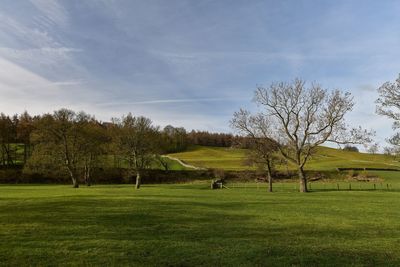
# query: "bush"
351,148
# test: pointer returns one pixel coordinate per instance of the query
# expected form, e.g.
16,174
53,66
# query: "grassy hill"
325,159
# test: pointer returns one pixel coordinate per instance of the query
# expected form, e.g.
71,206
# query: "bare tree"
388,105
93,142
304,118
135,138
258,129
24,131
59,138
393,150
8,138
373,149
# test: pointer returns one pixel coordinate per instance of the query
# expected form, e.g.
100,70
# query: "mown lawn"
191,225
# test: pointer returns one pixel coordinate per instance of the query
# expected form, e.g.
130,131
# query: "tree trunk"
25,152
75,183
88,183
269,176
137,180
87,175
303,180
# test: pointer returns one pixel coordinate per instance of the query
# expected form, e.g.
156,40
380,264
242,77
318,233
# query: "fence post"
337,186
374,186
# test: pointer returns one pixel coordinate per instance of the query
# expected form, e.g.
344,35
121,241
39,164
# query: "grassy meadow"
191,225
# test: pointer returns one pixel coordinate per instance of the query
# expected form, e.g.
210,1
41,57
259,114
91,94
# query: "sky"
192,63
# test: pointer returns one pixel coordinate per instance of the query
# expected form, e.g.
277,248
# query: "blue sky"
191,63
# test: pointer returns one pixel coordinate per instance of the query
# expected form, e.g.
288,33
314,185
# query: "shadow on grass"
157,230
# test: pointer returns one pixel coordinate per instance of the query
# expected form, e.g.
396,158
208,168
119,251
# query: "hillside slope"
325,159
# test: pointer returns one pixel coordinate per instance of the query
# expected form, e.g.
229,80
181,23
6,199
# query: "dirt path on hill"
183,163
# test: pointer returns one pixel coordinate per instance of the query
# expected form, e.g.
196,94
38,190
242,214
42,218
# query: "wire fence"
317,186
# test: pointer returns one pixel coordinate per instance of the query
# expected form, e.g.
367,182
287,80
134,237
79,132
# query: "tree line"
76,142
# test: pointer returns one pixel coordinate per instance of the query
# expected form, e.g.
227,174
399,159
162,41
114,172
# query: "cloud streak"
170,101
53,13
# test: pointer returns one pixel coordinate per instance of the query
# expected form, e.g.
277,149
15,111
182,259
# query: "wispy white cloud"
40,48
53,12
169,101
14,30
42,55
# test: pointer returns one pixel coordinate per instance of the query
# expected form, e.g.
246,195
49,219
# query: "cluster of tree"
15,130
174,139
69,140
205,138
293,121
75,142
351,148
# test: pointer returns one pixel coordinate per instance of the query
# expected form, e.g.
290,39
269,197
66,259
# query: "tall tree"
59,137
304,118
8,138
135,139
388,105
373,148
92,141
24,131
174,139
257,129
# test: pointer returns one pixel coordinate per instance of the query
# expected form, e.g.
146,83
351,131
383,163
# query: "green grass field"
325,159
191,225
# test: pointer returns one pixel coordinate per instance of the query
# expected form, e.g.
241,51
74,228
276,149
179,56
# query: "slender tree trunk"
87,174
138,182
88,178
88,169
303,180
25,152
75,183
3,157
269,175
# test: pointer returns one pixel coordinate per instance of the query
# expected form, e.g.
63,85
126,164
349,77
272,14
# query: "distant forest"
73,144
20,134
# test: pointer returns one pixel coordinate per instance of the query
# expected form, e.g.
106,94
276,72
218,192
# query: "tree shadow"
156,230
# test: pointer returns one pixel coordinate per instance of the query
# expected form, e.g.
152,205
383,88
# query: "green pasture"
192,225
341,222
